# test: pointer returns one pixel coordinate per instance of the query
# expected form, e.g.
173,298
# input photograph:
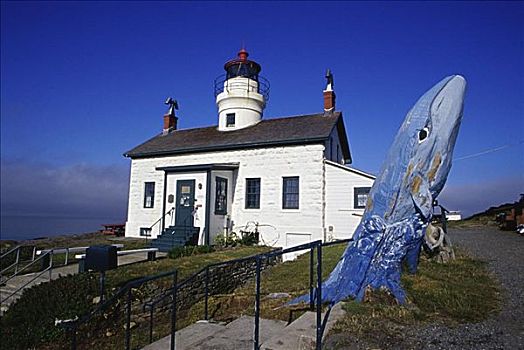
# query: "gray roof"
305,129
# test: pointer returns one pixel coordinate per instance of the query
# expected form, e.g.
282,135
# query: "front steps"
274,335
174,236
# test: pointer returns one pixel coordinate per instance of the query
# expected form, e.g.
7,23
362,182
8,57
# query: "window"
253,193
145,232
230,119
361,197
149,195
221,196
290,189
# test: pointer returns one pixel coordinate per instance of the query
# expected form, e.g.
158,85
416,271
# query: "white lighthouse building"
288,178
241,95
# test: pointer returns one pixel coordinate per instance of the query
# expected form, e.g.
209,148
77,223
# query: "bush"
178,252
223,240
30,321
246,238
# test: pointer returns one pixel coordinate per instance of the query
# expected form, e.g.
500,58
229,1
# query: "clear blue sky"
82,82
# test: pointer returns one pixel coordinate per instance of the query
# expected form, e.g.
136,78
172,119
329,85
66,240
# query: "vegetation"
233,240
74,295
178,252
31,320
457,292
460,291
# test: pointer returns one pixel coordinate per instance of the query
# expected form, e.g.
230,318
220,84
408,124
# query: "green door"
185,203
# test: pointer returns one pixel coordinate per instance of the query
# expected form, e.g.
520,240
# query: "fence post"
206,289
17,259
311,261
128,319
50,265
173,312
257,305
319,296
73,337
34,253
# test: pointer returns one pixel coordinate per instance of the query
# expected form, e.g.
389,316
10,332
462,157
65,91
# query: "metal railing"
43,258
168,297
72,326
17,252
160,220
263,86
315,287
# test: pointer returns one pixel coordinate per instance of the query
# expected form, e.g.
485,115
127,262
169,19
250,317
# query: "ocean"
28,227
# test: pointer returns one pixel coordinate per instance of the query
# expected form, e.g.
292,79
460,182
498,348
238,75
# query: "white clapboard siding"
341,216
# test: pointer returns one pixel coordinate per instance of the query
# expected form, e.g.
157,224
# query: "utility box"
101,258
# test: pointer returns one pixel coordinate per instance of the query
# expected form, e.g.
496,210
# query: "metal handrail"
49,268
160,219
315,293
50,253
10,251
72,325
17,259
203,270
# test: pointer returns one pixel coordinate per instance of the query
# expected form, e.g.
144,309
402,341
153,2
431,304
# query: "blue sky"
82,82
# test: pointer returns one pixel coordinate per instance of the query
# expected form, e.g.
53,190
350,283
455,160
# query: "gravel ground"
504,253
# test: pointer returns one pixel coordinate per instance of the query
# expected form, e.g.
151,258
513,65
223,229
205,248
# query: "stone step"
187,337
301,333
238,334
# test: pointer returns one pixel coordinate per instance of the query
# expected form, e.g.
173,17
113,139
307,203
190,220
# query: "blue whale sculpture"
399,205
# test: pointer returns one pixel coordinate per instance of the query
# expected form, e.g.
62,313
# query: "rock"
131,325
109,334
278,295
96,300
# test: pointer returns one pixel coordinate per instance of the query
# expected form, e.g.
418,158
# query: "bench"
151,256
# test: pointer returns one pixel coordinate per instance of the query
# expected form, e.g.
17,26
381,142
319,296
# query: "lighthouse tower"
241,94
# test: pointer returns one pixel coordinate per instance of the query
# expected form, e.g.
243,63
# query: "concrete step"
301,333
187,337
238,334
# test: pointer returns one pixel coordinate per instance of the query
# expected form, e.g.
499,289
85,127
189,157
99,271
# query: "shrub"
178,252
223,240
246,238
30,321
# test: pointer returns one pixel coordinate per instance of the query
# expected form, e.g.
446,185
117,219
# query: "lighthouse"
241,93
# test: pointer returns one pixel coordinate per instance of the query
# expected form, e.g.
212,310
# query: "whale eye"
423,134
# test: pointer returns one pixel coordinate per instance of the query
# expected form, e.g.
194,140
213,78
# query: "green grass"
59,301
460,291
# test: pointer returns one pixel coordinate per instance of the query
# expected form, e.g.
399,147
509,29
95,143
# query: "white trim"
356,171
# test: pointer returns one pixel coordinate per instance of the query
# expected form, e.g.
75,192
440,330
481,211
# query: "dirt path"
504,253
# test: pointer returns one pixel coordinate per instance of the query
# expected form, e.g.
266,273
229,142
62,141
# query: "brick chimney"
170,119
329,93
170,123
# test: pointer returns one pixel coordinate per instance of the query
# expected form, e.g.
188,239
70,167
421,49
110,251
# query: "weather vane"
329,77
173,105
